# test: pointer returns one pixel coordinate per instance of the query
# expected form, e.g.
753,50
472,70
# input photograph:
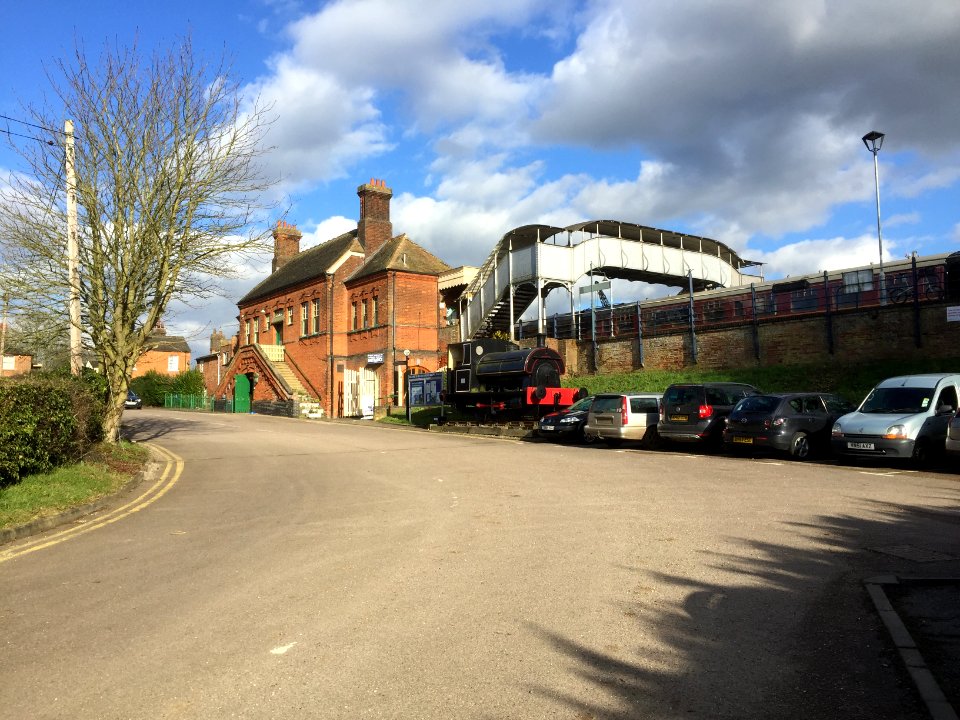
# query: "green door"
241,394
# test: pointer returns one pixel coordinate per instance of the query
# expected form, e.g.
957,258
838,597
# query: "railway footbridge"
530,261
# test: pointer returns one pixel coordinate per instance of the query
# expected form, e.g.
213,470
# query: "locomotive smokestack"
541,340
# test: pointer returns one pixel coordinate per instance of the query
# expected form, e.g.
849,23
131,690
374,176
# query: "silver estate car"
615,417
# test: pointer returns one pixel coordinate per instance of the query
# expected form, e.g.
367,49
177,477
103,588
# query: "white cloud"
812,256
902,219
321,127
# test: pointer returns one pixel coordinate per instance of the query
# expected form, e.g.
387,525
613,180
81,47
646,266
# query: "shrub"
151,387
188,382
46,421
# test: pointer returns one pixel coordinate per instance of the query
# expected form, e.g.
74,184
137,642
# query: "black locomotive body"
499,377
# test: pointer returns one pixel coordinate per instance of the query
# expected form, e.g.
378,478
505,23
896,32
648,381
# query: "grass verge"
102,472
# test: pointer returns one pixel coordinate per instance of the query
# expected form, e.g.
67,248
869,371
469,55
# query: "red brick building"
14,364
213,366
340,323
165,354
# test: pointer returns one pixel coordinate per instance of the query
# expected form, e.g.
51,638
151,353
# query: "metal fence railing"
183,401
791,298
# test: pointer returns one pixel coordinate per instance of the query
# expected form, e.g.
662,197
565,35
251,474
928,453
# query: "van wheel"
921,454
589,439
800,446
651,438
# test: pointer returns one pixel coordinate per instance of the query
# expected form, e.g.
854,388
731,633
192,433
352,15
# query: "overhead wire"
33,125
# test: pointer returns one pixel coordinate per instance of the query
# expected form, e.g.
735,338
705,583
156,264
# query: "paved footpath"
288,569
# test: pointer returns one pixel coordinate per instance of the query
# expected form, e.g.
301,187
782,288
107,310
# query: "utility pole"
3,330
73,252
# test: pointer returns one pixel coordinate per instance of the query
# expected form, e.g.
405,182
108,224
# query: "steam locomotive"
498,377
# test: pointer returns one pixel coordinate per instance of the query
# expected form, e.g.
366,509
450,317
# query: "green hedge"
47,421
152,386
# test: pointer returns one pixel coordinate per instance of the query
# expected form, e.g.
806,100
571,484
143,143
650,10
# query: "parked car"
133,401
567,424
615,417
952,444
696,413
795,423
903,417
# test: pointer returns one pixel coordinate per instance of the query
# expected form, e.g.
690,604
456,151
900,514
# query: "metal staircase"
498,319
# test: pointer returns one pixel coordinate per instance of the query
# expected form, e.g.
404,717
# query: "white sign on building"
953,314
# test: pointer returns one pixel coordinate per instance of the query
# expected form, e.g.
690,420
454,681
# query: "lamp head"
873,141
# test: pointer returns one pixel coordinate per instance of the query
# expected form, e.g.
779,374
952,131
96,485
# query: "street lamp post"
873,141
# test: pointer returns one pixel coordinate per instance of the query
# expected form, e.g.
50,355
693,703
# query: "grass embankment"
851,381
102,472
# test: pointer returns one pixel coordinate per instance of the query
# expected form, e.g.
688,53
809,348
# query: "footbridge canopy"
530,261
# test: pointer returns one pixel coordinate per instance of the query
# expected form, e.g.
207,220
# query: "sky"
736,120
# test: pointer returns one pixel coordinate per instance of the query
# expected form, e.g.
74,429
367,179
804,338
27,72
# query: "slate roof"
402,254
307,265
167,343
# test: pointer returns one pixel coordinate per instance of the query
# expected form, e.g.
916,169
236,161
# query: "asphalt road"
344,570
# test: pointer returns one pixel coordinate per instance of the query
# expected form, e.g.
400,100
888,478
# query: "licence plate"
679,418
859,446
547,427
743,440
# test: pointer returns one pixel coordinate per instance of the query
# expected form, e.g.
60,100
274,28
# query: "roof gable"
307,265
402,255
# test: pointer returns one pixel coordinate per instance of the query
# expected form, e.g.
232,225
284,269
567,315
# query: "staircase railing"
274,353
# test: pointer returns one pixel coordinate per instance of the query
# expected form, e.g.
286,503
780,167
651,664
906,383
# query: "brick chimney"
374,228
217,339
286,244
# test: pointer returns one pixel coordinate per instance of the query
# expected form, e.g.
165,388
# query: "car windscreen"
612,403
581,405
682,395
641,405
894,400
758,403
729,395
837,404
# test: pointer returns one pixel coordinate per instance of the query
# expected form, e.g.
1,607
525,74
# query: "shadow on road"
145,429
728,651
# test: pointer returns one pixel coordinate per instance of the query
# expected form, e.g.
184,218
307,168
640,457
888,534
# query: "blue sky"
740,121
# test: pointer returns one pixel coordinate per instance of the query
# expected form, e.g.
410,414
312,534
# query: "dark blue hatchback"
567,424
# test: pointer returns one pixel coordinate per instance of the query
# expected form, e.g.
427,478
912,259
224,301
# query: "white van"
902,417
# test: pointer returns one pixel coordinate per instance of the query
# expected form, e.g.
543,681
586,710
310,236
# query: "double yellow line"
173,467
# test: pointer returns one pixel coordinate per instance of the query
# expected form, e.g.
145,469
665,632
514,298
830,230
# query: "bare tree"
168,191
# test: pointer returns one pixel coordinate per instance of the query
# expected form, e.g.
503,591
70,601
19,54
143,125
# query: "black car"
133,401
795,423
567,424
695,413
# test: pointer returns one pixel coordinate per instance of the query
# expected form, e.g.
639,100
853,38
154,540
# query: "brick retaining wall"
858,335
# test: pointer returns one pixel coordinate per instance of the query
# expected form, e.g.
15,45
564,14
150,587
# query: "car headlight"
896,432
568,420
837,430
